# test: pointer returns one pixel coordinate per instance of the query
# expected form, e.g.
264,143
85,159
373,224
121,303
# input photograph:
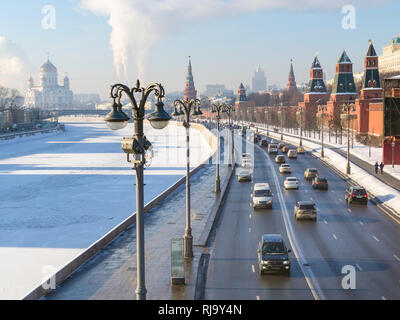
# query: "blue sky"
225,48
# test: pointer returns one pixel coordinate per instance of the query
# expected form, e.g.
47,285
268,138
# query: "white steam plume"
138,24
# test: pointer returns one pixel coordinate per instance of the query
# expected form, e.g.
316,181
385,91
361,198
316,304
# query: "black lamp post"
137,146
322,111
300,117
229,109
347,108
218,108
187,108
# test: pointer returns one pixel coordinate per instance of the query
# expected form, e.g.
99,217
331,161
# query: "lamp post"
281,116
347,108
267,115
322,110
300,116
229,108
393,148
137,146
187,108
218,108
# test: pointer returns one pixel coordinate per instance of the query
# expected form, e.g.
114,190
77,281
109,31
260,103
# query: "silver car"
244,175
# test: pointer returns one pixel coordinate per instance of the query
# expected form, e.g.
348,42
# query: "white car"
291,183
262,196
246,163
285,168
244,175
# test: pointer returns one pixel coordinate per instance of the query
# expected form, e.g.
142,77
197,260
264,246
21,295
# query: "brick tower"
189,92
291,86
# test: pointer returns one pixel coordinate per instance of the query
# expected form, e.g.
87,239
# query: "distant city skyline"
227,47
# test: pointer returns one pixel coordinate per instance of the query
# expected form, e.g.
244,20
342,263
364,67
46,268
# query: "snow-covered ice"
61,192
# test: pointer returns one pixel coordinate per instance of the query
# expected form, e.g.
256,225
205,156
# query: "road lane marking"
258,297
334,235
340,199
252,268
249,229
349,210
362,223
375,238
383,298
358,266
396,257
308,273
325,222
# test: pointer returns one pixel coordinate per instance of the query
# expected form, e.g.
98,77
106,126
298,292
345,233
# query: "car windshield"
245,173
359,191
321,180
291,179
274,248
262,193
312,170
307,207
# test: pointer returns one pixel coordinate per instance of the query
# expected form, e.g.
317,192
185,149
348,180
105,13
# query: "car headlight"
264,262
286,262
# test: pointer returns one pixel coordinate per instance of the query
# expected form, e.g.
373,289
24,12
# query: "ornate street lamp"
321,114
346,116
229,109
300,118
137,146
187,108
218,108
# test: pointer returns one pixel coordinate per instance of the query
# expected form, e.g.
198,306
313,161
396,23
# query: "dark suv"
273,255
263,143
356,194
320,183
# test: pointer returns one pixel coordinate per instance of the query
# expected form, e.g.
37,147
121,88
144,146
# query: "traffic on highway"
290,228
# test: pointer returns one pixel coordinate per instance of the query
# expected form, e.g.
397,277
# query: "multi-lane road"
357,237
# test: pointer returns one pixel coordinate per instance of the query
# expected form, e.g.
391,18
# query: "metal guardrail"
10,136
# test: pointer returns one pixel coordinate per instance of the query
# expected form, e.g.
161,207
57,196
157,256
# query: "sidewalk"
111,274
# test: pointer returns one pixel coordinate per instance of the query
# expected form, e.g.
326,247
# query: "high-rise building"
189,92
49,95
291,86
259,81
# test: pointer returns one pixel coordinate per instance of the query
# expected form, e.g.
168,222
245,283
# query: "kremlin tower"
242,101
344,88
291,86
316,91
189,92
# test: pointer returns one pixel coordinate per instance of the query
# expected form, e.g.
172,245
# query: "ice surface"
61,192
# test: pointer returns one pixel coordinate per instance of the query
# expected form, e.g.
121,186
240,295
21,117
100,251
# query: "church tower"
189,92
48,75
371,87
66,83
291,86
344,88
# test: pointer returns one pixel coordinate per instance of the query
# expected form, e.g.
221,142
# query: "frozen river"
61,192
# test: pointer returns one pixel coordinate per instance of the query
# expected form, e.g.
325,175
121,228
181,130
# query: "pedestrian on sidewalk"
376,167
381,166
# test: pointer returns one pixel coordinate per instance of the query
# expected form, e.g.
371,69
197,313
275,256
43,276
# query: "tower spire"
189,92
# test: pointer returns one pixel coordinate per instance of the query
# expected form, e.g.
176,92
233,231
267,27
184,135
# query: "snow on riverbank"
60,193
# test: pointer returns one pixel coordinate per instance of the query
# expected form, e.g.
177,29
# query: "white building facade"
389,61
49,95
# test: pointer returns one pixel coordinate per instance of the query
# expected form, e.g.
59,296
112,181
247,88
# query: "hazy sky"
100,42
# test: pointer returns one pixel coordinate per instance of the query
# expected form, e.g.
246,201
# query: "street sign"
177,262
